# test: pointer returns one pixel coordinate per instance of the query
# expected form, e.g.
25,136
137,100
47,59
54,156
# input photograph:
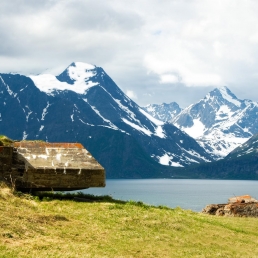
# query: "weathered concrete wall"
58,179
11,168
5,162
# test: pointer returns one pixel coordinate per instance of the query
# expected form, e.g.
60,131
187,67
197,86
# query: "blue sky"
156,51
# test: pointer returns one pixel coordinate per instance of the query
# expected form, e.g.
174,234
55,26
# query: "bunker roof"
56,155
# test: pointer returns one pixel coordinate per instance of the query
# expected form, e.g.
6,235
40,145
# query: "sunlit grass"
53,227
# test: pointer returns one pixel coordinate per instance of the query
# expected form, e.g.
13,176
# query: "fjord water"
190,194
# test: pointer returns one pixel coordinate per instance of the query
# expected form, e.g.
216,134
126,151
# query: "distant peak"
163,104
77,77
79,71
81,65
226,94
225,89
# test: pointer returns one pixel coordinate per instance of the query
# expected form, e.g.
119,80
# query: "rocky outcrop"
242,199
238,206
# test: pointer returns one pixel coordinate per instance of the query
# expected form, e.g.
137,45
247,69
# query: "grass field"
36,228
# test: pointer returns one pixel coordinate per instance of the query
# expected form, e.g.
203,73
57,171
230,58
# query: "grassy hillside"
105,228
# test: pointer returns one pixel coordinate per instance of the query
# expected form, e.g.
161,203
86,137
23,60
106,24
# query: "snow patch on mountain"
196,130
225,94
80,73
224,113
24,135
11,93
137,127
151,118
29,112
167,160
159,132
220,144
111,125
44,113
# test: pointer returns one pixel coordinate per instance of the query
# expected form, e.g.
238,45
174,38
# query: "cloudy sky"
155,50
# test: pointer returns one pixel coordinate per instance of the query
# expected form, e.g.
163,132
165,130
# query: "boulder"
238,206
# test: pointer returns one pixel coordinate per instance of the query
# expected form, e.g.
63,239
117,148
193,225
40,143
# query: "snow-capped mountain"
164,112
249,148
83,104
240,164
220,121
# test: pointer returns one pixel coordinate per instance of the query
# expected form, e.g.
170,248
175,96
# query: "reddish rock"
242,199
238,206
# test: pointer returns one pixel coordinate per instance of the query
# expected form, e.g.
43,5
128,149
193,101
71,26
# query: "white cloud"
131,94
142,45
204,48
168,78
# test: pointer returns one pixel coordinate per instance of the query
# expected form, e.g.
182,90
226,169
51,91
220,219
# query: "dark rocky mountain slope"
83,104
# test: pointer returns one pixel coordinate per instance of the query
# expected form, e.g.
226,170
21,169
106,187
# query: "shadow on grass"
78,197
81,197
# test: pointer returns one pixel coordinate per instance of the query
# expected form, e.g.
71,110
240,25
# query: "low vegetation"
55,225
5,141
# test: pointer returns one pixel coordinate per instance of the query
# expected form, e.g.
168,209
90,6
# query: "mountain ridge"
164,112
219,122
86,105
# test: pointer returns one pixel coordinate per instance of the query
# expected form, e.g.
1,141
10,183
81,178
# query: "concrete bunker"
35,165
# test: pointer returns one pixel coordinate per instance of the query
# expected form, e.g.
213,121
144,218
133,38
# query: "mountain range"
220,122
241,163
83,104
164,112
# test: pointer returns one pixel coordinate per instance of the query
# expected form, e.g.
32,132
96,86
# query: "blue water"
190,194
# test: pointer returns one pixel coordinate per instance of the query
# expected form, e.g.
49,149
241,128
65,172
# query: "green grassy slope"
106,228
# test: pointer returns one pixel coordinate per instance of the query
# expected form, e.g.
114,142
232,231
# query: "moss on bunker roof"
5,141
